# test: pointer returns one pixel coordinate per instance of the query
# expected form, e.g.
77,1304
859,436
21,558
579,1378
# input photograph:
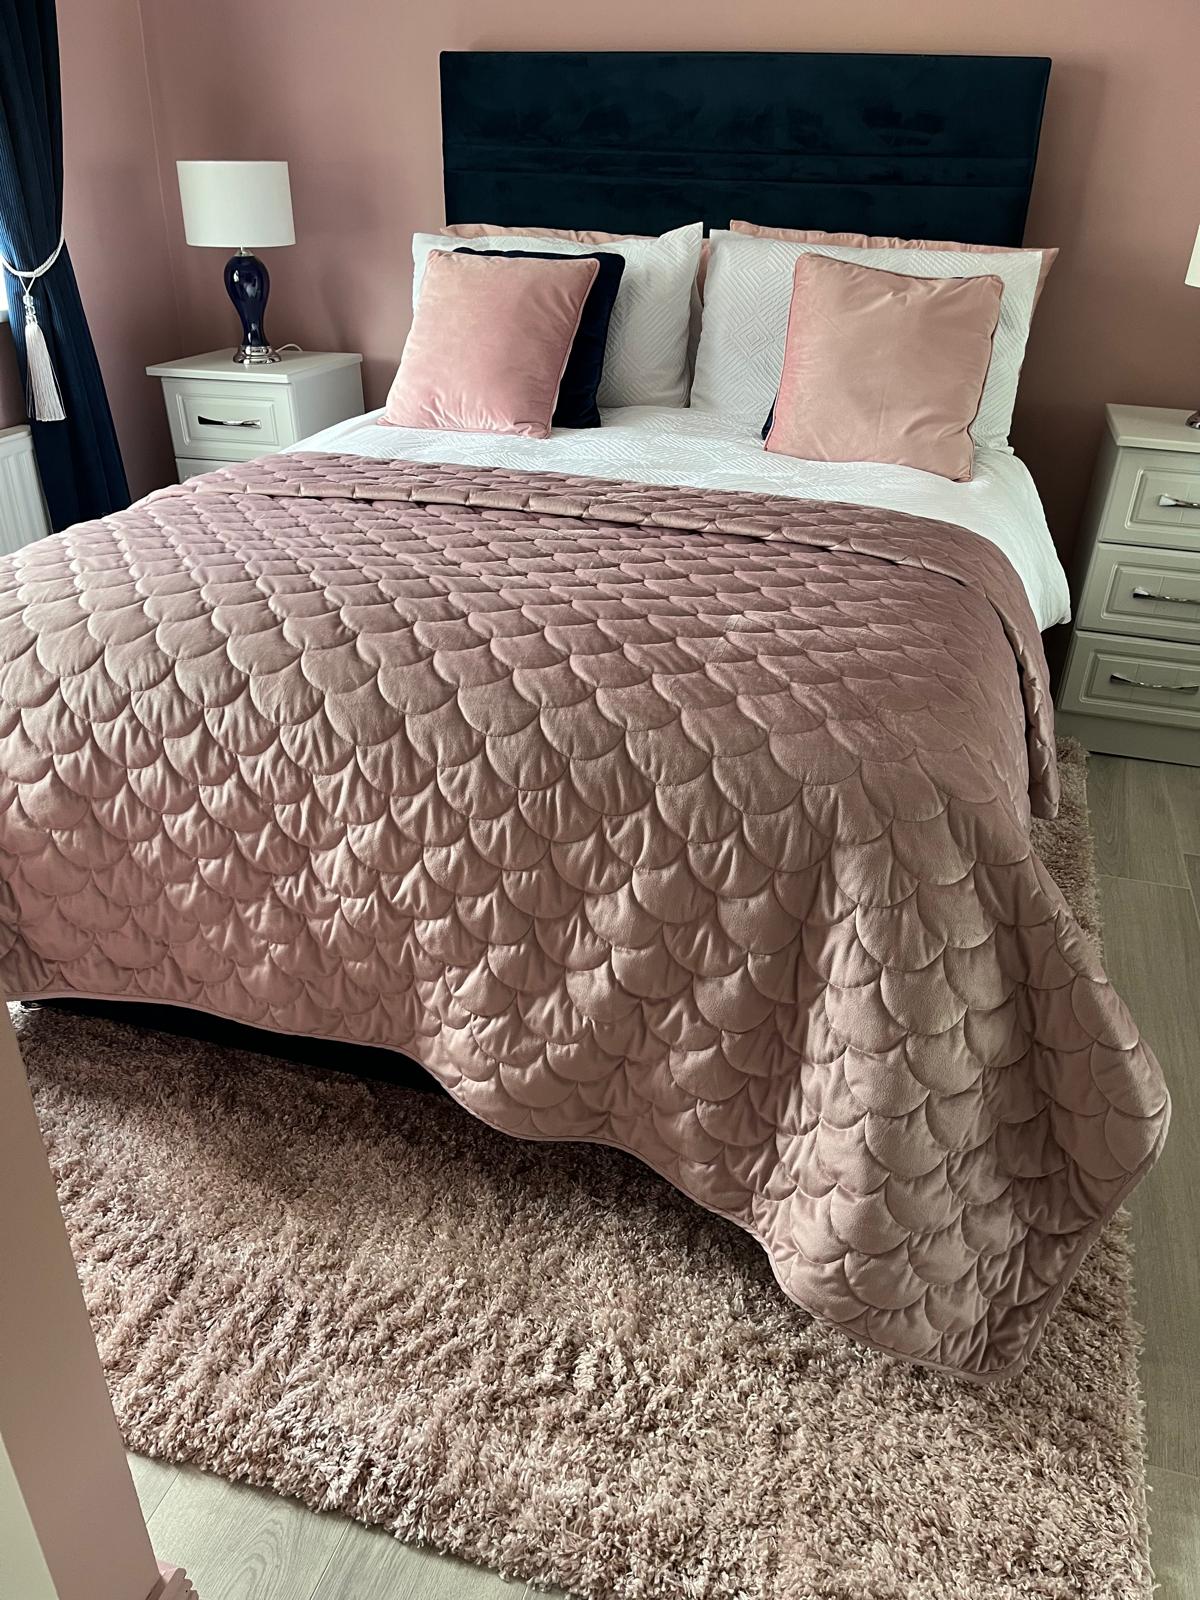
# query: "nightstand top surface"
1152,428
219,366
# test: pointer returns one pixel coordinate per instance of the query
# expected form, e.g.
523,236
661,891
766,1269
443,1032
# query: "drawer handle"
229,422
1166,500
1167,599
1169,688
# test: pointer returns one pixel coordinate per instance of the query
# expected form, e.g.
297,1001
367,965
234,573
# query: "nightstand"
1132,679
221,412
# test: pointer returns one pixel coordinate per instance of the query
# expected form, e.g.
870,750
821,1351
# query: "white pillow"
748,290
646,357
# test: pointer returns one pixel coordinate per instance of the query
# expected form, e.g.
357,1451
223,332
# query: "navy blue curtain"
79,459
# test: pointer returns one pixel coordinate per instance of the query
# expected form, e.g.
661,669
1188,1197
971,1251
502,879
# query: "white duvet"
647,445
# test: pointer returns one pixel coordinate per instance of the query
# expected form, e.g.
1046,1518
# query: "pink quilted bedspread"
687,822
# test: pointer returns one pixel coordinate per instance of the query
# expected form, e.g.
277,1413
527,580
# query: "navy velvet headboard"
924,146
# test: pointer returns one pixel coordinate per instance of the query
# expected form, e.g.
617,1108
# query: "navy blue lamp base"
249,283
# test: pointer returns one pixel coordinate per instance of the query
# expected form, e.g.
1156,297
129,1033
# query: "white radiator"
22,506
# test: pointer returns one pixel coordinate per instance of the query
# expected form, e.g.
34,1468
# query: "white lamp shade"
1193,271
233,203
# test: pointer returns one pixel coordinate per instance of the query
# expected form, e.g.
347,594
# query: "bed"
681,446
642,787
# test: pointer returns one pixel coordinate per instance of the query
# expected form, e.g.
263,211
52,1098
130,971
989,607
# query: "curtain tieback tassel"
42,394
42,391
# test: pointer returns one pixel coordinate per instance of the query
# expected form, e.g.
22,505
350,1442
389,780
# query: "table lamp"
240,205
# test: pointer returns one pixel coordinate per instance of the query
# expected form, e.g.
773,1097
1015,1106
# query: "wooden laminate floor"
245,1544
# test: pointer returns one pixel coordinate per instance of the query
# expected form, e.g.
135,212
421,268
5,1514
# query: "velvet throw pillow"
482,230
489,344
646,358
749,292
880,366
577,407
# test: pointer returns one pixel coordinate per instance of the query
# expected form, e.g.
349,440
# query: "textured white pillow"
748,290
646,358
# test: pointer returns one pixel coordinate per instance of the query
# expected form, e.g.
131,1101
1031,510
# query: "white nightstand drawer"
1154,594
1155,500
1134,679
229,420
222,412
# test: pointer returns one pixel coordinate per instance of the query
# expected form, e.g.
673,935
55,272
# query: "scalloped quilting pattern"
687,822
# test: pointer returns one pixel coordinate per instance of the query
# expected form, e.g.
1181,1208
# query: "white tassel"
42,392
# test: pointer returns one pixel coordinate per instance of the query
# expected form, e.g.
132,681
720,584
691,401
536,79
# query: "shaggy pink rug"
543,1358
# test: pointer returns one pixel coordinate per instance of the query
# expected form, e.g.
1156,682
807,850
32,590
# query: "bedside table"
1131,684
222,412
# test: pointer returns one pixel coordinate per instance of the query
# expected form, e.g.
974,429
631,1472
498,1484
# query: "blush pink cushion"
489,343
879,366
872,241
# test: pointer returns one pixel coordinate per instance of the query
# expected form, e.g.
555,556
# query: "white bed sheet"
646,444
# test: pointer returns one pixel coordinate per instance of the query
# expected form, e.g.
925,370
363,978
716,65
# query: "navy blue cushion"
576,406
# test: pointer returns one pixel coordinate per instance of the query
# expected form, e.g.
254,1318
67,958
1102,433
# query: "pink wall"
113,211
115,225
347,93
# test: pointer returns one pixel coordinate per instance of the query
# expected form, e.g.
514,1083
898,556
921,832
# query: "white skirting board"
22,505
